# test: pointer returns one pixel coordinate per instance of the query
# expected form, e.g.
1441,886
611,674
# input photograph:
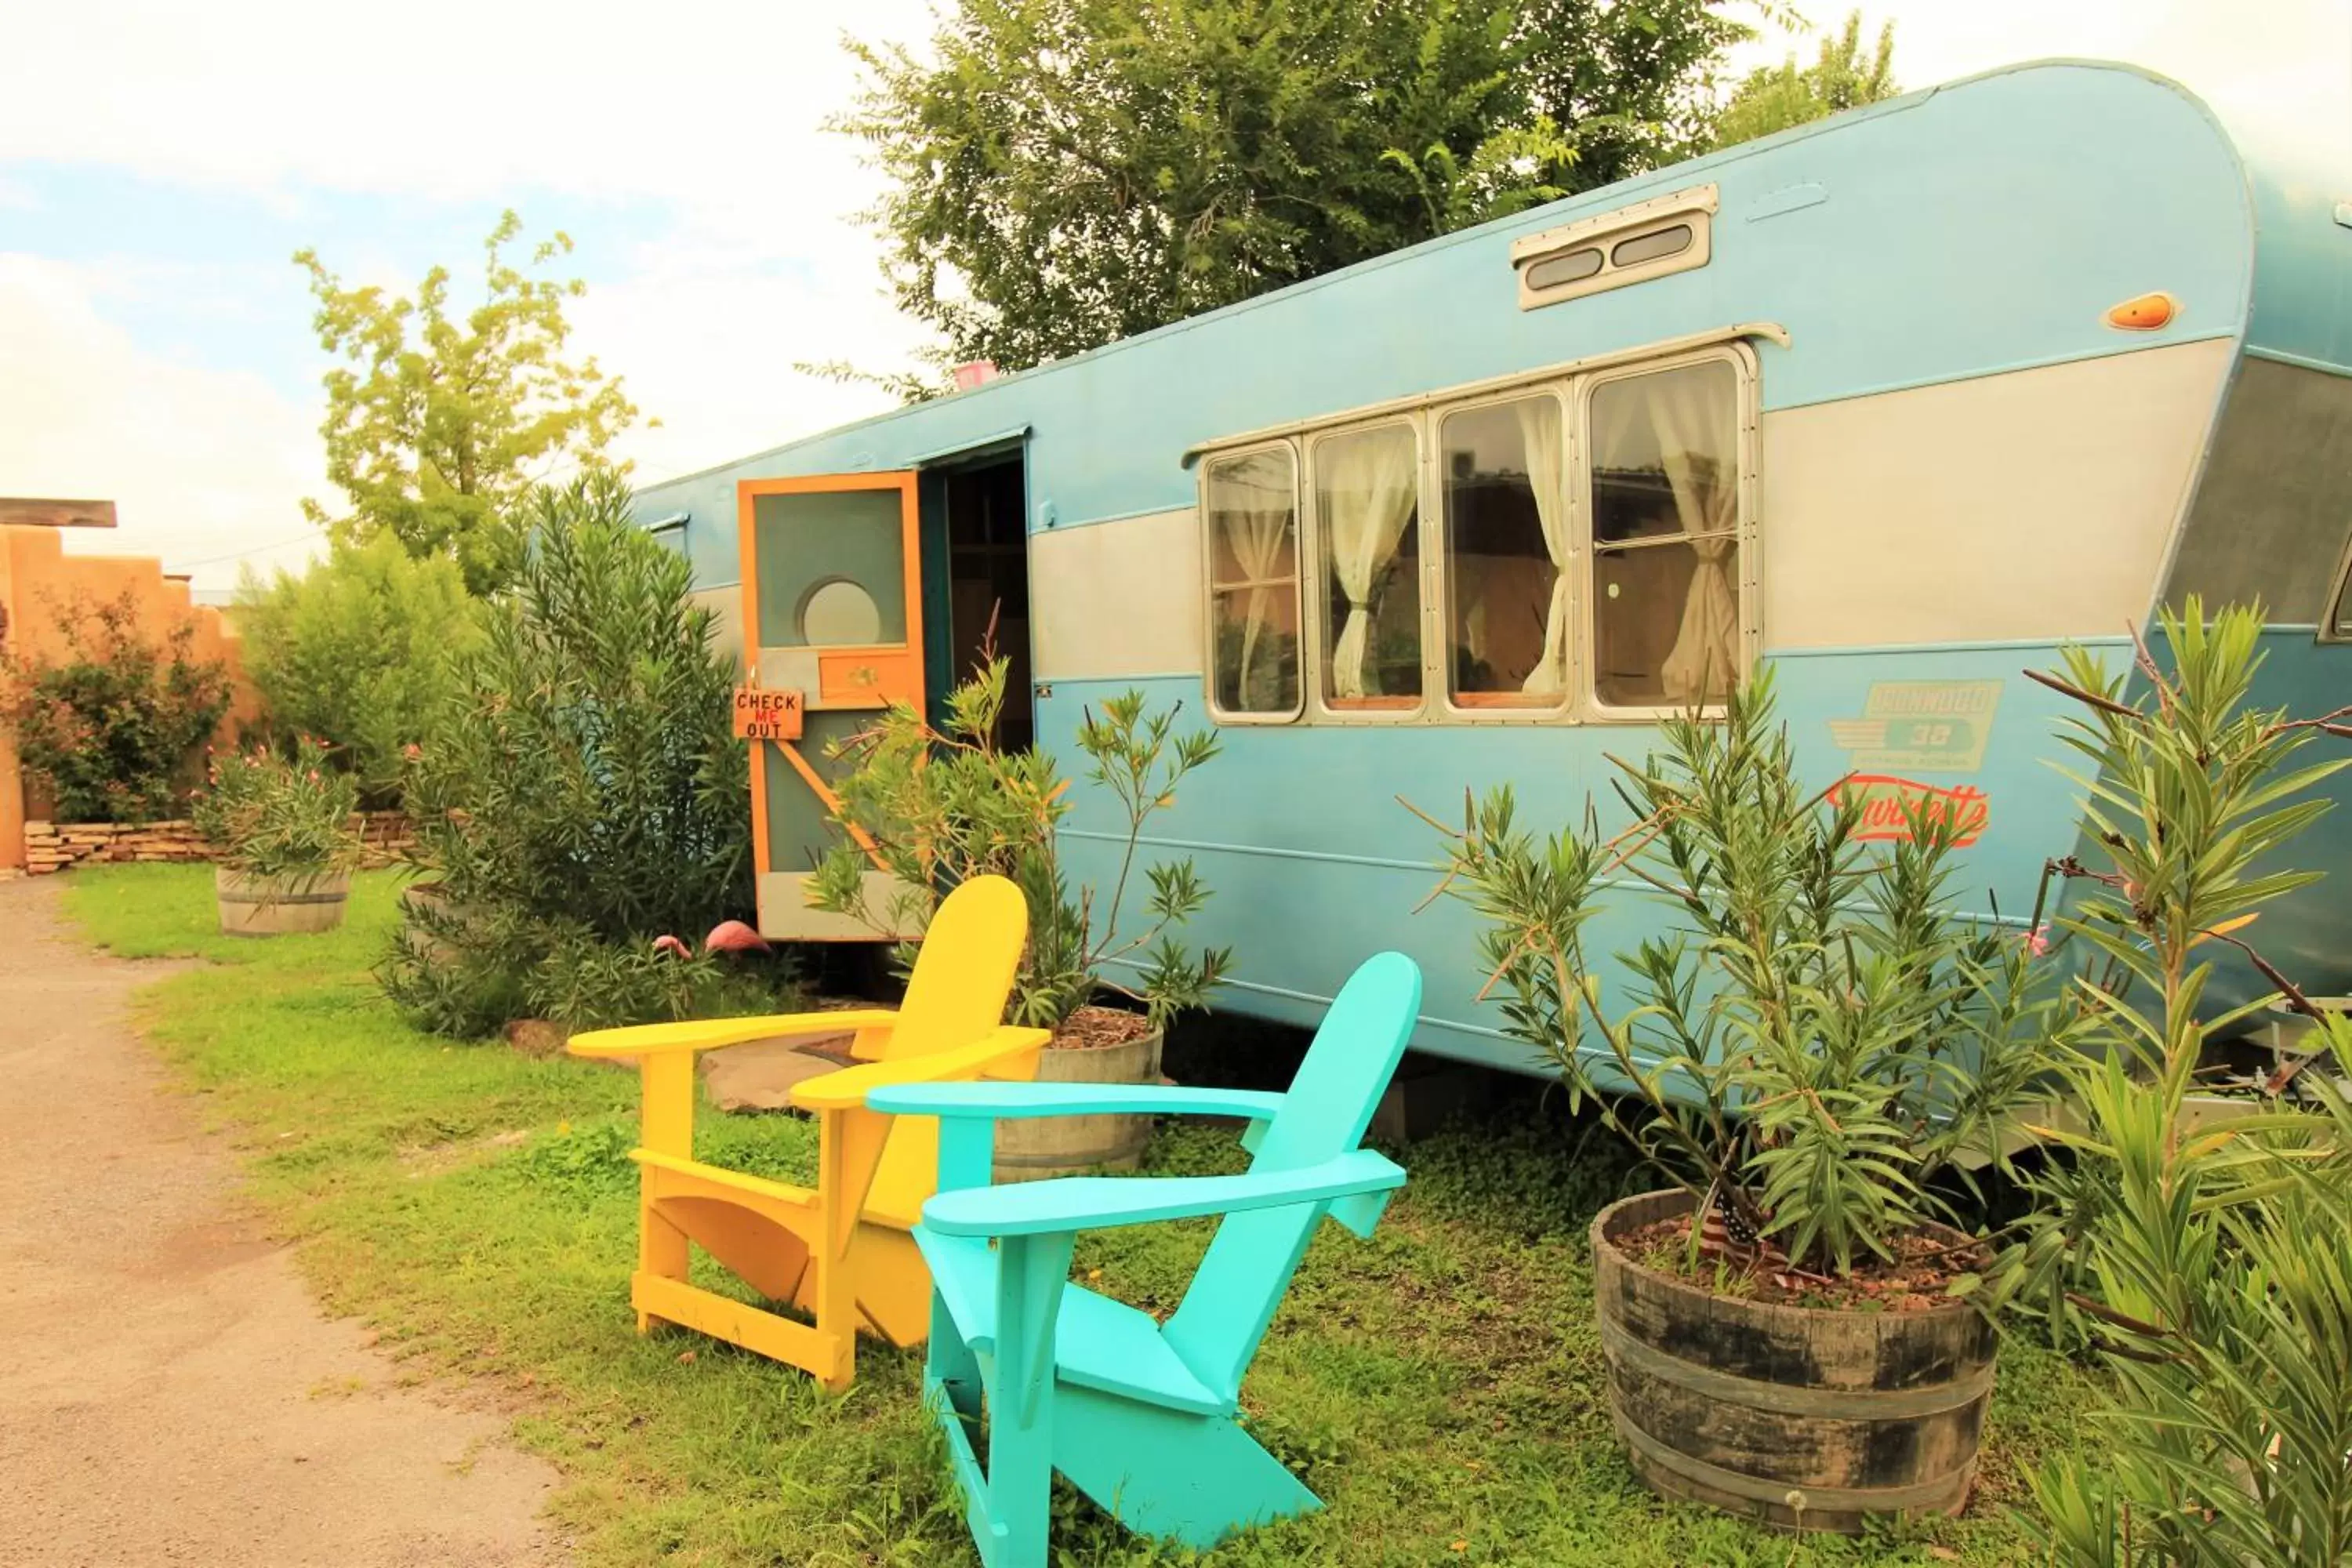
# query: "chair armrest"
710,1034
862,1086
1102,1203
1023,1101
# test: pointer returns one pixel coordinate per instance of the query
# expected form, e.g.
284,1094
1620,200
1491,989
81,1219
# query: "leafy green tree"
441,419
1777,97
1635,87
358,651
1065,172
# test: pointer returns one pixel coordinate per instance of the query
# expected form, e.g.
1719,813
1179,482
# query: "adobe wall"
36,576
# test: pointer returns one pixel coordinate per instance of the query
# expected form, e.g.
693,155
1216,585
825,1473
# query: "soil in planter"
1092,1027
1915,1279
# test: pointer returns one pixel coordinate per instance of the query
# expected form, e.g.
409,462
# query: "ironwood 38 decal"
1920,726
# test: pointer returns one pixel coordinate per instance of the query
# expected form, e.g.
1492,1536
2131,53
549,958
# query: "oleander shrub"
939,806
1818,1042
2205,1258
580,794
269,816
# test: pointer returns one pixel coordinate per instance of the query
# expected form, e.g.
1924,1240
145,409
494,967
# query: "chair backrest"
1250,1261
963,971
962,978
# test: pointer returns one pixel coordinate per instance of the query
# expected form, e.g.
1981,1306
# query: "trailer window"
1653,238
1560,271
1666,537
1252,502
1507,545
1366,509
1654,246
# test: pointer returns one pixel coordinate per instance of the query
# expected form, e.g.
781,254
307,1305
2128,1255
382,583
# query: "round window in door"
839,613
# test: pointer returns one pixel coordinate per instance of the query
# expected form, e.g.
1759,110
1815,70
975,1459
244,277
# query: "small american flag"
1724,1232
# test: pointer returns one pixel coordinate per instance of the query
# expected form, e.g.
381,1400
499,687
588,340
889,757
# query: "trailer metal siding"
1969,237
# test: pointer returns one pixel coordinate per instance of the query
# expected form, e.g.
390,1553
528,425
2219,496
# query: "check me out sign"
764,715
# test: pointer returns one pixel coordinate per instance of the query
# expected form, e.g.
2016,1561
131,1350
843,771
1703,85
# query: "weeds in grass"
590,1164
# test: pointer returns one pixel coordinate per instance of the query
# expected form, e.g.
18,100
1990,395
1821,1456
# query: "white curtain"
1368,486
1698,447
1540,429
1251,499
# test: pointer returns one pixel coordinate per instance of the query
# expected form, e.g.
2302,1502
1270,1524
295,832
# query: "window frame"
1572,383
2331,628
1218,712
1439,589
1591,710
1693,209
1321,708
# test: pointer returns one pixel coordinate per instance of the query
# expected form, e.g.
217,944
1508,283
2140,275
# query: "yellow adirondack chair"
840,1253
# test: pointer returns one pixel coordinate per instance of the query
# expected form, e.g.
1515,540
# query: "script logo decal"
1888,804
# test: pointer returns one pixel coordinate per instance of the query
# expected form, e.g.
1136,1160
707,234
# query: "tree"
439,422
358,652
1636,86
1065,172
1777,97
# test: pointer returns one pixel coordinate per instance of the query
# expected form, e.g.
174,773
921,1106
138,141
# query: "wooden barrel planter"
1058,1145
278,906
1801,1417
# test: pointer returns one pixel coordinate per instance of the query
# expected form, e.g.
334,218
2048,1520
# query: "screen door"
833,611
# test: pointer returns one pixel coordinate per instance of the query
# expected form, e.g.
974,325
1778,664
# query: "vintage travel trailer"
1900,403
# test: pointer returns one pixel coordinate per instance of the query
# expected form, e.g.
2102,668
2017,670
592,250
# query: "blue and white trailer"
1900,403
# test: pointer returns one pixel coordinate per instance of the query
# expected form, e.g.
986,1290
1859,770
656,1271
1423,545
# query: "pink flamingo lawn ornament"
727,936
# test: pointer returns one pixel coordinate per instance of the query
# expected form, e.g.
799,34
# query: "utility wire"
561,471
248,550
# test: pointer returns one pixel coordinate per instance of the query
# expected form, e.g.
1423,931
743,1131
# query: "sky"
161,162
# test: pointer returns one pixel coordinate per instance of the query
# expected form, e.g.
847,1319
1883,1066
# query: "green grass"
1440,1385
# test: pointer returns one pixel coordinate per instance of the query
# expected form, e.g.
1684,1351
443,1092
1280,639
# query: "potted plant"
935,807
1814,1052
284,840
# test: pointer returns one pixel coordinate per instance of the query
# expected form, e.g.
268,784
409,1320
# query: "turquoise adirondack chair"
1140,1415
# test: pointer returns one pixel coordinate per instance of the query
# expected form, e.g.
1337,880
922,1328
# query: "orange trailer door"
833,613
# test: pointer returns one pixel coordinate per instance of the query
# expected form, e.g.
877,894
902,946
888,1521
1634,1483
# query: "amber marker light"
2146,314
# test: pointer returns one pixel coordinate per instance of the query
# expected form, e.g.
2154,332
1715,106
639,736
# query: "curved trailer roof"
1907,269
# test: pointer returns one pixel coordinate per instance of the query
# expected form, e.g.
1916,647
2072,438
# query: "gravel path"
169,1394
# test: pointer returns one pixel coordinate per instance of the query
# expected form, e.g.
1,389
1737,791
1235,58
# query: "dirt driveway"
168,1392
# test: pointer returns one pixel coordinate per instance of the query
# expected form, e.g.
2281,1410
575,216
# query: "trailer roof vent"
1666,234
